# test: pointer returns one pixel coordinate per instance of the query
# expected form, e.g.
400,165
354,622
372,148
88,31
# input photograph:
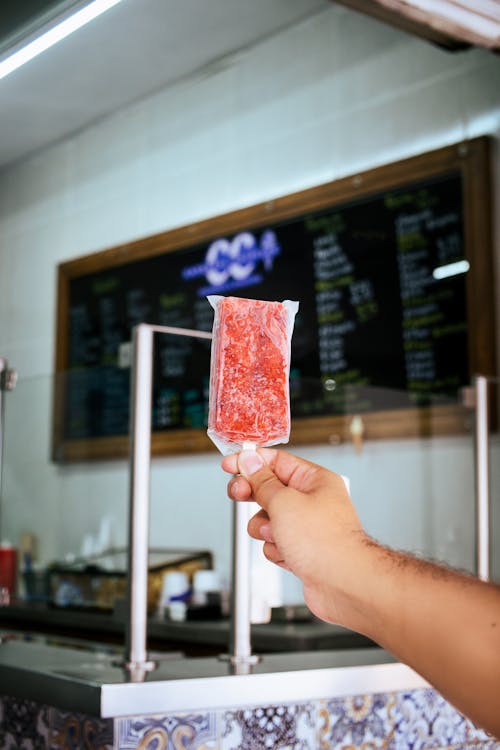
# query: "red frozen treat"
249,394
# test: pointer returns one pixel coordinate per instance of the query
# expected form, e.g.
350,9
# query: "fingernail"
266,533
249,462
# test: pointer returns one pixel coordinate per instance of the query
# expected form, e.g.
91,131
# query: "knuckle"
265,485
270,551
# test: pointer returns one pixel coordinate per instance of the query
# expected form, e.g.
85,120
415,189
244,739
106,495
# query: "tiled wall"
415,720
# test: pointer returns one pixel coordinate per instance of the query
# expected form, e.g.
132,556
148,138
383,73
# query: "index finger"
230,463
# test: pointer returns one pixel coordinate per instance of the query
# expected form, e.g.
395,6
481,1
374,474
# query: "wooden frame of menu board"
466,165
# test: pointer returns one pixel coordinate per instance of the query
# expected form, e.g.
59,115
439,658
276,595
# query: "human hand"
421,612
307,522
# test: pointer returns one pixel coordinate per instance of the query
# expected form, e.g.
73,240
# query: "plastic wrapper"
249,403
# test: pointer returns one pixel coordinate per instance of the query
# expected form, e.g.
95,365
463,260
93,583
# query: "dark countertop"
194,638
101,685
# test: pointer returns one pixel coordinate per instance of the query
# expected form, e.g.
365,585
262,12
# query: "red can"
8,567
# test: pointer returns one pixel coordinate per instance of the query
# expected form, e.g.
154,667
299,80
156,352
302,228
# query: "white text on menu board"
420,295
338,290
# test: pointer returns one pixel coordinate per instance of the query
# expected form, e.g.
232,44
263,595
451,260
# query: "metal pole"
482,479
240,654
8,380
240,589
3,370
140,453
141,384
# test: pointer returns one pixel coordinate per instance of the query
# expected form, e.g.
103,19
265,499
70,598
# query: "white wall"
331,96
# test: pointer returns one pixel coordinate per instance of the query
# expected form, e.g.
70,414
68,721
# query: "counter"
56,697
96,683
194,638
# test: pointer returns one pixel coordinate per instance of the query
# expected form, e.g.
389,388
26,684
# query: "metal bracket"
469,399
8,380
8,377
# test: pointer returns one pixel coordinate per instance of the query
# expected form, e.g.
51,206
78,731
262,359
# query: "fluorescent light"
54,35
451,269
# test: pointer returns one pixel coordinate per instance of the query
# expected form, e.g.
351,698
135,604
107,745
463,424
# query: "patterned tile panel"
356,721
433,723
416,720
23,724
478,738
75,731
284,727
168,732
425,720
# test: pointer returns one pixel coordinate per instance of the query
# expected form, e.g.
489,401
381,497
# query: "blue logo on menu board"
231,264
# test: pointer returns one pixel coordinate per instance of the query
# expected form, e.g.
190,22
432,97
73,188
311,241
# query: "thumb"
263,481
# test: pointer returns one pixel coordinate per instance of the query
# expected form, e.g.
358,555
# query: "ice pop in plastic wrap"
249,404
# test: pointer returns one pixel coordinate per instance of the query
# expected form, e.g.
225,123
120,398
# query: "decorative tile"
168,732
23,723
416,720
359,721
478,738
425,720
285,727
75,731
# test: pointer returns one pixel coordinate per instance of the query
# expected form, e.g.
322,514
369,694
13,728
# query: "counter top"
96,684
195,638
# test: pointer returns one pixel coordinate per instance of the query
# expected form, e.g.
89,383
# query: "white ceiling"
134,49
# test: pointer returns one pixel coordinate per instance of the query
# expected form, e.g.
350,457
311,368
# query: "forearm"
443,624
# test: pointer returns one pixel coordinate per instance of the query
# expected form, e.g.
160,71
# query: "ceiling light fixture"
48,38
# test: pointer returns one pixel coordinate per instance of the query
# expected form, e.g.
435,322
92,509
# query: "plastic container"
205,584
176,592
8,572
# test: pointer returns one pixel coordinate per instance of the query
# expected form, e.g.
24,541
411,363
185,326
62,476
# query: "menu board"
384,316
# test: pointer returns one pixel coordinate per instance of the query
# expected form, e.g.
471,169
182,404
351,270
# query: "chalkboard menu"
392,270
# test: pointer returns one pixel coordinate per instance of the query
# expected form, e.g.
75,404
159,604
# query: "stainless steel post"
482,479
8,379
140,456
3,369
240,585
141,383
240,655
